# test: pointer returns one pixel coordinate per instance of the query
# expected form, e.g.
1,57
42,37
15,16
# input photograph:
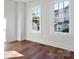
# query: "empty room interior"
39,29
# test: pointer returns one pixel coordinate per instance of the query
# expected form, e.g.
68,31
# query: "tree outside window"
36,18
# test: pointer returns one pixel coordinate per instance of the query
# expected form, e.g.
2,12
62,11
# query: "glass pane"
66,3
56,20
65,25
38,11
56,11
56,6
58,26
36,18
60,5
61,10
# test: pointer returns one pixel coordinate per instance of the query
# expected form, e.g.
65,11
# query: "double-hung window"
61,16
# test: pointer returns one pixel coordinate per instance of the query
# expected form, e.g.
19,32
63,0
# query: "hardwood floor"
32,50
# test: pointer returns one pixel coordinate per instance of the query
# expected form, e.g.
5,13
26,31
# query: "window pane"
58,26
61,10
38,11
65,25
60,5
56,11
56,6
66,3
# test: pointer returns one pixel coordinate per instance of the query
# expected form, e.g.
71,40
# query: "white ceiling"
22,0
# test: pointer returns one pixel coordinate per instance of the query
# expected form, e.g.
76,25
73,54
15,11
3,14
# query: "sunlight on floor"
12,54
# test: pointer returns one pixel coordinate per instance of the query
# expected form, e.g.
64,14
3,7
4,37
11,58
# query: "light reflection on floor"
12,54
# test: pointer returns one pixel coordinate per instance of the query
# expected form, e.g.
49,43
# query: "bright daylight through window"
36,12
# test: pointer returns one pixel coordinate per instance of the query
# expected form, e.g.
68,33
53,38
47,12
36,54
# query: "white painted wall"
47,35
15,20
10,15
20,21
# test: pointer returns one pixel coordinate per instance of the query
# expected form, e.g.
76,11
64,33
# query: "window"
61,14
36,13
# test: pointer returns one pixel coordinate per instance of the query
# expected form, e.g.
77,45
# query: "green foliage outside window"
35,20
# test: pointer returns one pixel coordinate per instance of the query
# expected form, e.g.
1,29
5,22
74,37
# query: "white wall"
47,35
21,21
15,20
10,15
